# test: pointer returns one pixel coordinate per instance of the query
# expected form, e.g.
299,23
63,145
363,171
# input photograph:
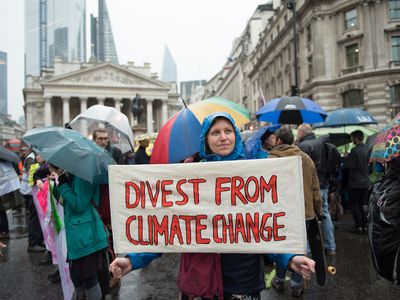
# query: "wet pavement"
22,278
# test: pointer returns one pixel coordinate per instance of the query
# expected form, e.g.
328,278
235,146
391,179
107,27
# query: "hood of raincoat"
238,151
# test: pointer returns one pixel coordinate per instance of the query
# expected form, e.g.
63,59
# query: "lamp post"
295,91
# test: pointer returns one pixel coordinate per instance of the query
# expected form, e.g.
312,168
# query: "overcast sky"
199,35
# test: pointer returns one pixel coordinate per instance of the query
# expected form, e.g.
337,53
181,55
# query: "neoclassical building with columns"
67,89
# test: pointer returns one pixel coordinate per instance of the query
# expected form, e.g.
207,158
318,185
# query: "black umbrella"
8,155
337,139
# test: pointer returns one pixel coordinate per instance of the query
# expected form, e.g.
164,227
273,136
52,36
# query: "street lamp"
295,91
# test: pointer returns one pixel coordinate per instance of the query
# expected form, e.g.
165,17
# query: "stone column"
164,112
83,101
149,114
29,114
83,122
100,101
47,111
128,105
65,101
117,103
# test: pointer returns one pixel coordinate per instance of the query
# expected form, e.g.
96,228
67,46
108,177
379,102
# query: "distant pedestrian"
315,148
100,137
358,183
141,157
312,200
35,235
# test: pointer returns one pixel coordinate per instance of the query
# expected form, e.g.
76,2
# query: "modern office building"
169,71
3,83
191,90
53,28
102,39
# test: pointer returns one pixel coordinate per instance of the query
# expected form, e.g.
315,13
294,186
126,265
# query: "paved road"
22,278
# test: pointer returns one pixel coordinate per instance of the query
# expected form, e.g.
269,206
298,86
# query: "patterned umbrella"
387,142
291,110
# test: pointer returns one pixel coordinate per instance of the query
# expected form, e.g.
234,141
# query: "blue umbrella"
70,151
291,110
348,116
254,143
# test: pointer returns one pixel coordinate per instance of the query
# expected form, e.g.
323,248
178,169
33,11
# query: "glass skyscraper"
53,28
3,83
169,72
102,39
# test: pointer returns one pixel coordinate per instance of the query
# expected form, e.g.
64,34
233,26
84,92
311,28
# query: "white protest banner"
233,206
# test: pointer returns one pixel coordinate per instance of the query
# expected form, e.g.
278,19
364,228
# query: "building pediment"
106,75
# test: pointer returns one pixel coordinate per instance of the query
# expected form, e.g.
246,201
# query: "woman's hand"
120,267
302,265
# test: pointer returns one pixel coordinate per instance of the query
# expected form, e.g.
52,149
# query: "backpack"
384,227
200,275
332,160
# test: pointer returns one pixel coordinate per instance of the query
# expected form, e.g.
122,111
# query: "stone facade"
348,56
68,89
9,129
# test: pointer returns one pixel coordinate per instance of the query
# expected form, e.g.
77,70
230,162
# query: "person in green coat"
87,239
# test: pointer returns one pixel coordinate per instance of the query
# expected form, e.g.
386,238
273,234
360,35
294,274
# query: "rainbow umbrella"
387,142
179,138
202,109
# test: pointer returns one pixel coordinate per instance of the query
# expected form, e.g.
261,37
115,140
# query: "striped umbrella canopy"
179,138
291,110
202,109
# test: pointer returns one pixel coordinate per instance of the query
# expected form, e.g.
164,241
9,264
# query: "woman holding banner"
241,275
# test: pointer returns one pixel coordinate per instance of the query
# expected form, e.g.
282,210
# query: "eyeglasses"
102,138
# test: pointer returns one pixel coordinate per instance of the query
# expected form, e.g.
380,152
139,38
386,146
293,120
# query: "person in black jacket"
315,148
358,184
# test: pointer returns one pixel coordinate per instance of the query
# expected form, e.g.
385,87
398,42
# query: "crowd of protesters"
87,219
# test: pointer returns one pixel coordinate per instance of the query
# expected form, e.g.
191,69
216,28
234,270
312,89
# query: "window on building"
350,19
395,100
395,48
394,9
308,34
353,98
395,94
352,53
280,61
310,67
289,53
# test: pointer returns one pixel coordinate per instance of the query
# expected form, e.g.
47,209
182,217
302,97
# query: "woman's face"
221,137
270,141
39,159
